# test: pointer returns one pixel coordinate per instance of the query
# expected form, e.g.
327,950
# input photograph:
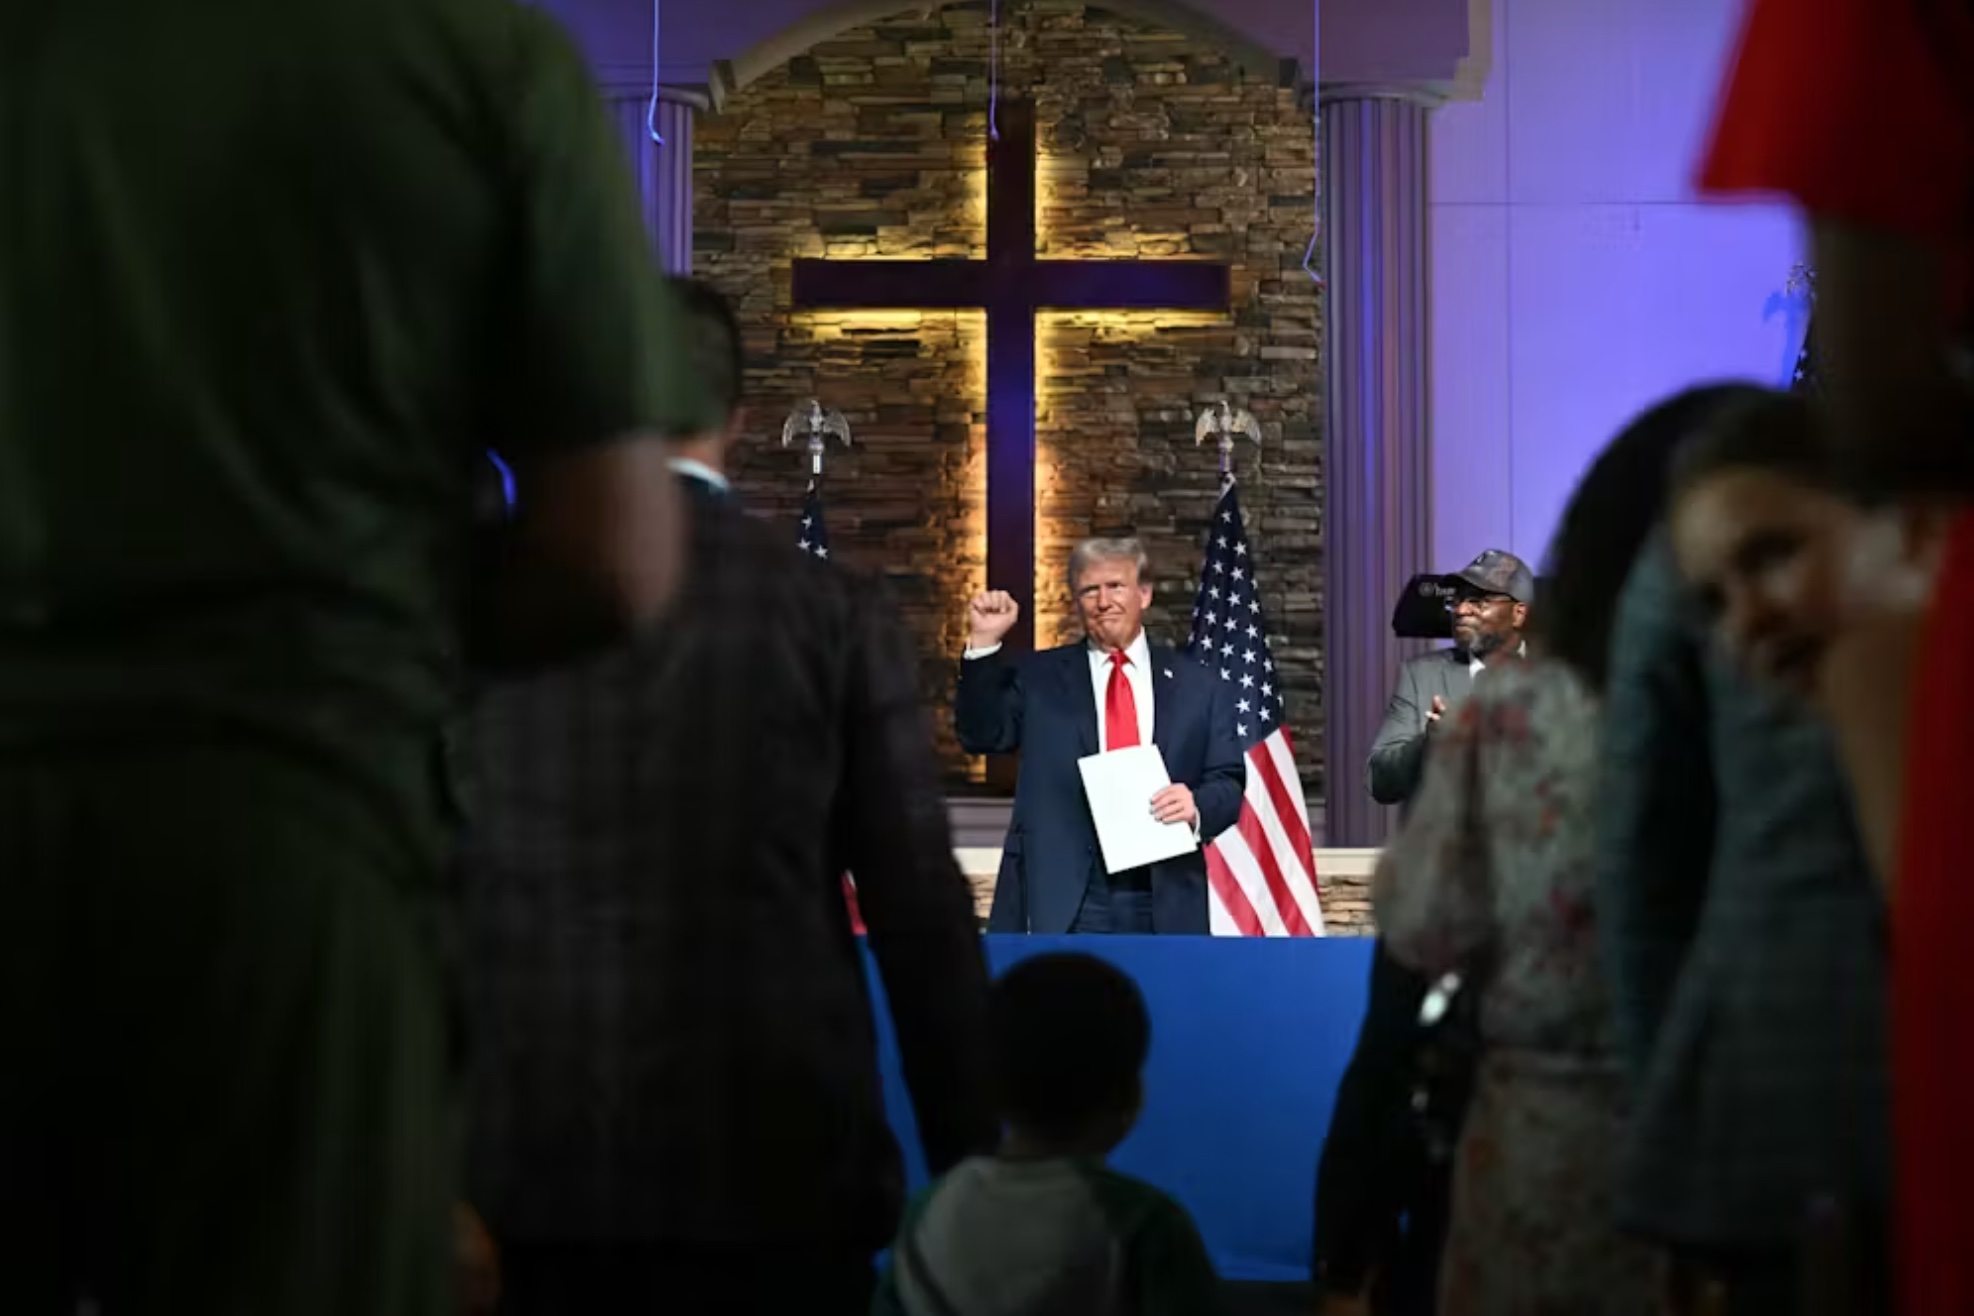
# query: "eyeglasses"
1478,602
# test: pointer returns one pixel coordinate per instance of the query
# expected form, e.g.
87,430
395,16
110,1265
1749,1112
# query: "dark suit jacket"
1043,705
1745,939
1381,1203
1398,754
674,1033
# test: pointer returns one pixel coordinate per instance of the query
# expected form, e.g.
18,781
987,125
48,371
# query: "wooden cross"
1011,285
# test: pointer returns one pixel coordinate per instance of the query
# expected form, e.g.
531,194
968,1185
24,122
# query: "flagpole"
1223,422
814,424
811,421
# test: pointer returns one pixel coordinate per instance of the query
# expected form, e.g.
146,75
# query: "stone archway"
1252,58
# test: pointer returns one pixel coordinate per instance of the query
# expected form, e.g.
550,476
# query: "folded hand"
1175,804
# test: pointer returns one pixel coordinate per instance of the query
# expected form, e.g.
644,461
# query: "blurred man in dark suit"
677,1098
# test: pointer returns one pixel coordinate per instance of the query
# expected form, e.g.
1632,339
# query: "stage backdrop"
1249,1040
1151,147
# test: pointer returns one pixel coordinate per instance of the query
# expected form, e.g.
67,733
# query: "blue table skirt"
1249,1039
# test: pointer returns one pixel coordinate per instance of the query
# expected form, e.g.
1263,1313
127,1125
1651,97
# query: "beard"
1485,643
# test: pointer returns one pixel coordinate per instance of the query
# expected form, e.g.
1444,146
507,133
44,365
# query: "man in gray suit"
1745,943
1490,606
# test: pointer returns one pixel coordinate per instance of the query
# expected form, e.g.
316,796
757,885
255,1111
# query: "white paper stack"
1120,786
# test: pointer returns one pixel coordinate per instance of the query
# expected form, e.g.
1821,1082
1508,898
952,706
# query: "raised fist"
989,618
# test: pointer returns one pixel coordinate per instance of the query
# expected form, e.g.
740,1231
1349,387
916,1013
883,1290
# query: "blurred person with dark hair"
677,1100
1878,151
1743,932
272,280
719,360
1492,878
1043,1227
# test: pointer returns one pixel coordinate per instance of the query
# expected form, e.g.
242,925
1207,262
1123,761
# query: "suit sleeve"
988,704
1398,754
1655,804
1009,912
893,835
1224,780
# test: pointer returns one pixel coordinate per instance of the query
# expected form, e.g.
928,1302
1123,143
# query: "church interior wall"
1575,275
872,145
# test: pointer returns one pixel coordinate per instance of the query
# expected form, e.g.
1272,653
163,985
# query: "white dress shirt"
1137,671
700,471
1474,665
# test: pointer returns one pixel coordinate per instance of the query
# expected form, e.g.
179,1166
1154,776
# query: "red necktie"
1120,707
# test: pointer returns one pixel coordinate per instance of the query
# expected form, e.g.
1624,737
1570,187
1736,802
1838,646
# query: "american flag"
812,537
1808,375
1261,873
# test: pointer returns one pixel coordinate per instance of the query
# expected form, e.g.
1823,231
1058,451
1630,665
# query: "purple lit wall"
1575,277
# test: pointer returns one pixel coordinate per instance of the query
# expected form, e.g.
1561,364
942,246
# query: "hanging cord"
994,70
1309,257
651,111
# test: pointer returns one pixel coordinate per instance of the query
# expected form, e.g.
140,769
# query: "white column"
662,170
1378,487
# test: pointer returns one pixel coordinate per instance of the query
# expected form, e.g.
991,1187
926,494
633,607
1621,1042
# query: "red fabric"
1856,109
850,900
1932,989
1120,707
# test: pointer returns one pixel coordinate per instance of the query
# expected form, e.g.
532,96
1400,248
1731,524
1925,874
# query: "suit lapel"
1459,678
1075,672
1164,692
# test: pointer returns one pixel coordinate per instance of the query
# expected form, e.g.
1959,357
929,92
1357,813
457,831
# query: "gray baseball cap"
1497,571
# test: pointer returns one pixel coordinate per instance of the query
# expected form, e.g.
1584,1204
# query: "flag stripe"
1240,860
1228,898
1297,890
1268,859
1284,793
1294,838
1285,753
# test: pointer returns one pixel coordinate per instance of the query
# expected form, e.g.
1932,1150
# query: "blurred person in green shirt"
273,278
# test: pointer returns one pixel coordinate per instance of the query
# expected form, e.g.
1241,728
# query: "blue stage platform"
1249,1039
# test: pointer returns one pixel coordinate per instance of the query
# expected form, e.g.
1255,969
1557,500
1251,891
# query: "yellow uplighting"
1130,321
1066,230
843,321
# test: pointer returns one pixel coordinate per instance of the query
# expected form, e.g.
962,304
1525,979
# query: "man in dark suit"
1382,1195
1112,691
677,1097
1490,603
